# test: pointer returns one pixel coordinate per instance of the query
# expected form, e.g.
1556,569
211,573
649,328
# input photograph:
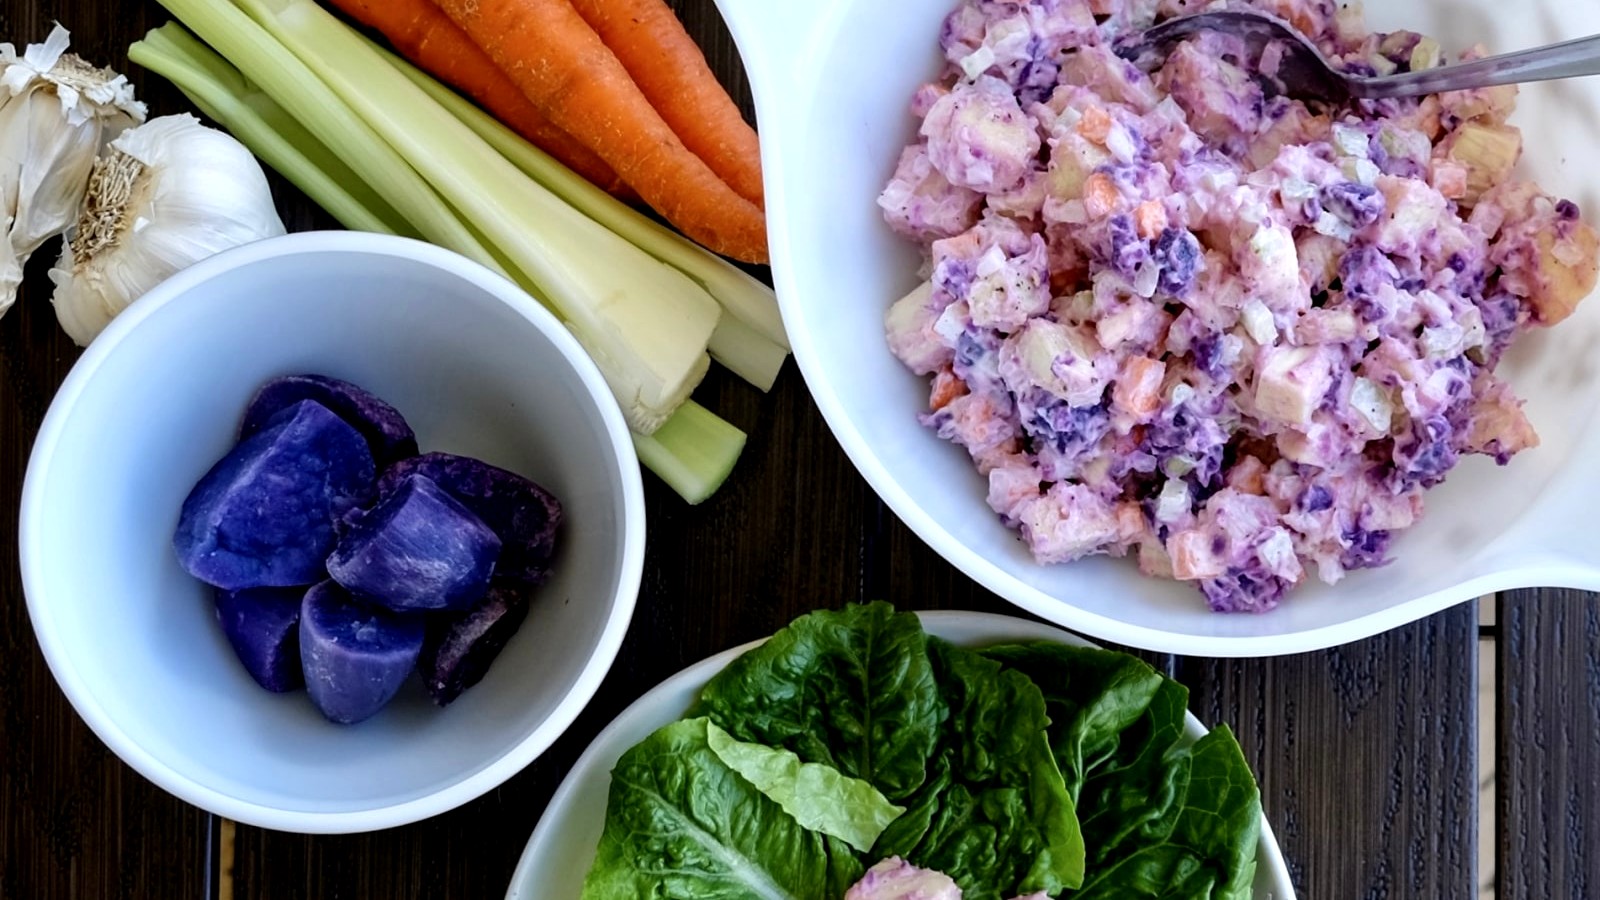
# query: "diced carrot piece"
1095,124
1449,178
1150,219
1248,476
1192,559
946,387
1138,388
1130,521
1100,195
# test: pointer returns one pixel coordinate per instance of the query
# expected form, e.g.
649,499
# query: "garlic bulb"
56,112
166,194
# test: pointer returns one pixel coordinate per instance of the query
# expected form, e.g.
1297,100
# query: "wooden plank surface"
1364,754
1549,745
76,822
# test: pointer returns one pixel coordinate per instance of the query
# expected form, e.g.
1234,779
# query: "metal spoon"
1305,73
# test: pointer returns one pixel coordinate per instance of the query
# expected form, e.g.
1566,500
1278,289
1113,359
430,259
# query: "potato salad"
1178,316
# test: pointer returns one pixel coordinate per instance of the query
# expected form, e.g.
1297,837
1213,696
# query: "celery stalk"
644,323
293,86
693,452
755,352
746,352
222,93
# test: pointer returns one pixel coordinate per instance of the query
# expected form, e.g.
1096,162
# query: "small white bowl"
476,366
833,81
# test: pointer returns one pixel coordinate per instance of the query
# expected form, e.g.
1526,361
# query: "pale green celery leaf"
817,795
852,689
681,823
995,814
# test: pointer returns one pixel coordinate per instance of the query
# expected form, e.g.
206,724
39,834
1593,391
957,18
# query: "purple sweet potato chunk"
419,548
387,434
522,513
263,625
263,516
355,656
460,646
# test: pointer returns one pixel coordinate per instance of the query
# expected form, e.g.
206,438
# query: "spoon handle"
1566,60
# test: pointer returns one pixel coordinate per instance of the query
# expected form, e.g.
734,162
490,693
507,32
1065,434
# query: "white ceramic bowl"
833,81
476,366
562,847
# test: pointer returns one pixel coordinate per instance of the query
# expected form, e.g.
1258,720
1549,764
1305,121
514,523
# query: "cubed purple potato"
387,434
263,516
522,513
263,625
418,548
461,646
355,656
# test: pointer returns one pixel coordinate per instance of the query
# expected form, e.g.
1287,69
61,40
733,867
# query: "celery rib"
750,340
646,324
281,75
693,452
263,126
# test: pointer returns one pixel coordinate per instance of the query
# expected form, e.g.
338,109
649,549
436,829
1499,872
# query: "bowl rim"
766,38
452,793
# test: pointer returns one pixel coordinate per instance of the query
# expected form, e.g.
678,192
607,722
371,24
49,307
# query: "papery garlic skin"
56,112
164,196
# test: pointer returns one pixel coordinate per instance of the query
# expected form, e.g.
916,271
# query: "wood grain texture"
1548,765
1365,755
74,820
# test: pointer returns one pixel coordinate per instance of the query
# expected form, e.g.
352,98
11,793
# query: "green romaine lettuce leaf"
851,689
816,795
996,815
1210,853
1159,819
1092,696
681,823
1221,815
1133,795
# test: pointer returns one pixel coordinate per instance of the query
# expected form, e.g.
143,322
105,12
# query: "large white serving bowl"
476,366
832,82
562,847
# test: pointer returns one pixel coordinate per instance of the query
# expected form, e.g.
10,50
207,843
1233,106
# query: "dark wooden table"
1368,755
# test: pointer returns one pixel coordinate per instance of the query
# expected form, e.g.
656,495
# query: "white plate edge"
939,623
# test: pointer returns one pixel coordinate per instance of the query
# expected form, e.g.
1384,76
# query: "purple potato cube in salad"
355,656
263,515
1160,310
418,548
388,436
460,647
524,515
263,625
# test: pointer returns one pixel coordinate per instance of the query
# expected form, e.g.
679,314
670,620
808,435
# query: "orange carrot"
561,65
423,34
669,68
